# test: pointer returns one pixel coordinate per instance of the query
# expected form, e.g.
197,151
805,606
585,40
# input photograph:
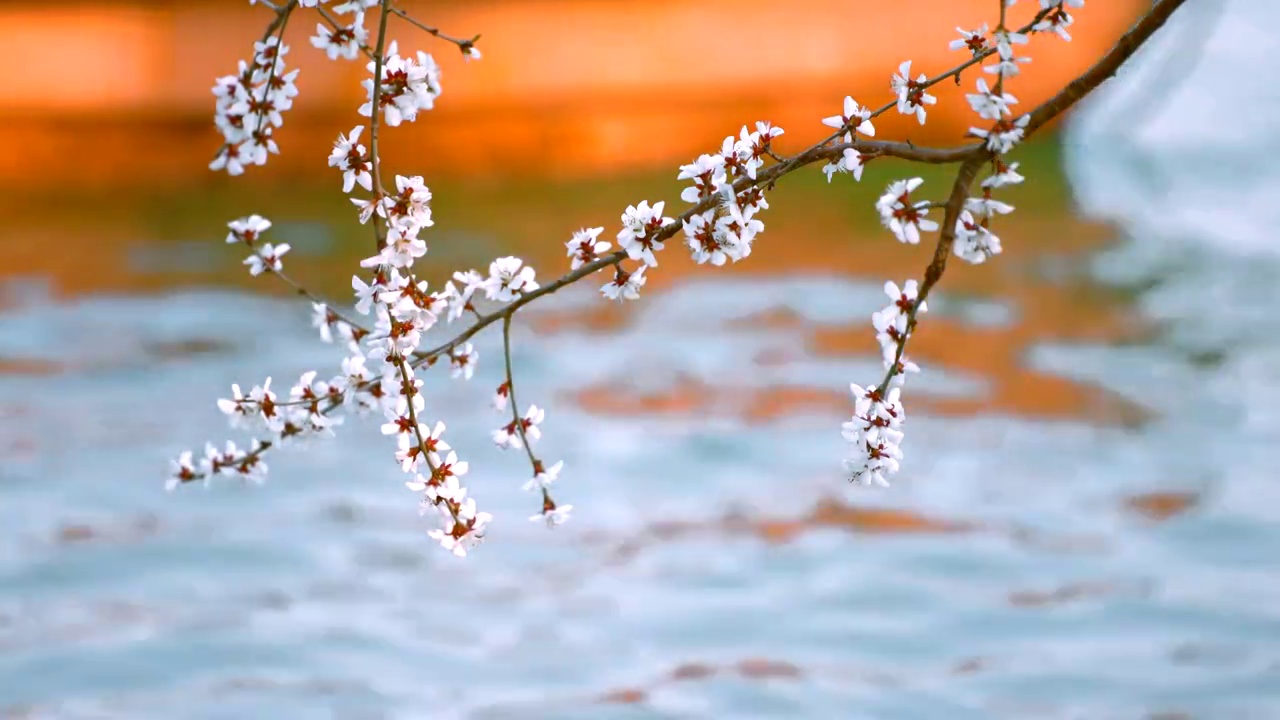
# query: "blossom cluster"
248,107
395,311
408,85
875,430
725,230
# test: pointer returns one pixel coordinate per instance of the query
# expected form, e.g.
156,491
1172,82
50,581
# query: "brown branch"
938,265
1105,68
375,104
972,157
1072,93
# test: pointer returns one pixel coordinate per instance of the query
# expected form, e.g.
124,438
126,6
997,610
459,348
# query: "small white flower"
625,285
236,409
552,514
1007,65
1005,40
354,6
349,156
323,320
904,218
703,241
988,105
508,280
464,359
501,397
247,230
459,300
640,224
904,298
585,247
401,248
1004,175
849,162
408,85
266,258
974,242
181,471
1003,135
543,476
707,174
855,117
409,208
341,42
911,95
365,294
987,206
1058,21
975,41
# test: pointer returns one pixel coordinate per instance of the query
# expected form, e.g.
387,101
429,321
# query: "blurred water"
318,596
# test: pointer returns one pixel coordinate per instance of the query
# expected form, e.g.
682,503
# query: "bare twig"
462,44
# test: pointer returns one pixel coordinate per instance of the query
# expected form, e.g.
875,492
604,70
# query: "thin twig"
534,462
464,45
375,104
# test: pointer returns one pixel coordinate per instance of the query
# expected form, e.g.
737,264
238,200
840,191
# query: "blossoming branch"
394,311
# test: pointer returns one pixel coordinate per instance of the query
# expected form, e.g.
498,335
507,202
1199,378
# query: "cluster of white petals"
343,41
248,107
409,85
853,120
875,430
911,94
904,217
725,230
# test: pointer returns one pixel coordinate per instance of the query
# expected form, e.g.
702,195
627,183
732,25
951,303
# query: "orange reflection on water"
568,87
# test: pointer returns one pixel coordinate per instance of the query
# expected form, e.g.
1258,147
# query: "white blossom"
903,217
850,162
553,514
1003,135
464,359
509,278
1004,175
974,243
247,230
266,257
975,41
625,285
349,156
408,85
911,95
543,476
585,247
987,206
181,470
1058,21
640,224
988,104
342,42
855,117
707,173
875,432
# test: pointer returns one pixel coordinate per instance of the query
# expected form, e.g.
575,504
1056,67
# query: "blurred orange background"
119,92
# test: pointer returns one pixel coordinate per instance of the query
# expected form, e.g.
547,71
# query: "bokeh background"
1085,527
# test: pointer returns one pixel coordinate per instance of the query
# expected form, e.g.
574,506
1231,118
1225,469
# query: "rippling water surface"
1086,526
